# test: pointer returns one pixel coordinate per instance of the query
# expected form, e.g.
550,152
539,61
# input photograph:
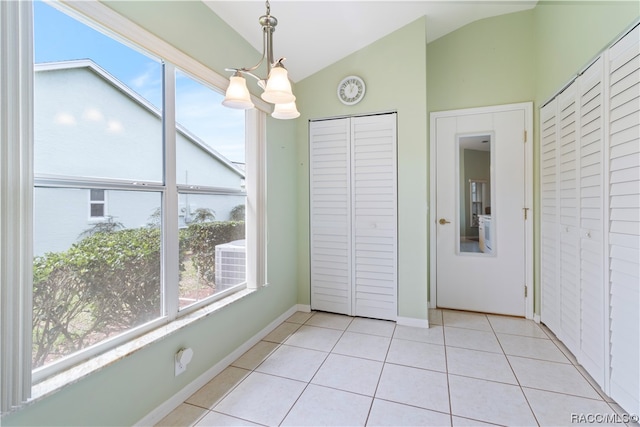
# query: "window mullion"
170,246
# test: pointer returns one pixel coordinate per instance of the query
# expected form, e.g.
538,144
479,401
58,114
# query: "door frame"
527,107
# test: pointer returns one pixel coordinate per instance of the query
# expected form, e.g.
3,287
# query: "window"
177,234
210,157
96,204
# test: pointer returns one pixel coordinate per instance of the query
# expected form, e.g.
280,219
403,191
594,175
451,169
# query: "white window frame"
16,194
102,202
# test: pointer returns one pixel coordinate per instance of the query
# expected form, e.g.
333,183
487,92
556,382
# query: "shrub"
107,282
110,282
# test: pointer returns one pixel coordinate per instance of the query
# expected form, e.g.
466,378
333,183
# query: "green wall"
487,62
394,70
129,389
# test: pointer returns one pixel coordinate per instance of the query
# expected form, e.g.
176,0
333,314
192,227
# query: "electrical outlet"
182,359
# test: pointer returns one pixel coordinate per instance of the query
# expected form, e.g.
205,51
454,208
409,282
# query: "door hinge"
525,135
525,210
526,291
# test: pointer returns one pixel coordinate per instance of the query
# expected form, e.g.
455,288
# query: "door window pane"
474,196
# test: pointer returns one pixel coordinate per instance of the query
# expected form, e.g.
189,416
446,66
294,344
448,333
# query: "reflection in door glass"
476,231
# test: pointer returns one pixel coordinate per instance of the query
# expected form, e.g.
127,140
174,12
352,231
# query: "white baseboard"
412,321
536,318
169,405
305,308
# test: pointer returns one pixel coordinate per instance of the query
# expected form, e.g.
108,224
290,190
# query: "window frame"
17,378
96,202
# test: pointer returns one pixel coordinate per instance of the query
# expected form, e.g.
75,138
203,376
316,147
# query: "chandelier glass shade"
277,87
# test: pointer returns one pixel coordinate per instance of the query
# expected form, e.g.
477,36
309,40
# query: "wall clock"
351,90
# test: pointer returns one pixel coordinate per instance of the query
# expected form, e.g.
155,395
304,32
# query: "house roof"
140,100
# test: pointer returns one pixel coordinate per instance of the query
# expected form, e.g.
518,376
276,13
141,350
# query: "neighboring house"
91,127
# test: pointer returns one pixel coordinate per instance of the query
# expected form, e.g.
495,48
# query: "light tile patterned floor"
321,369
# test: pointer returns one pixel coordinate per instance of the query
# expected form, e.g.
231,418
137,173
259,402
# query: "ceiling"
314,34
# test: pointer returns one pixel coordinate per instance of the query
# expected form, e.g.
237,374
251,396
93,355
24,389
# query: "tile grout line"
446,368
384,363
319,367
514,373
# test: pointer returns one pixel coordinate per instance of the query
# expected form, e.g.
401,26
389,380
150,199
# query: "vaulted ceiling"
315,34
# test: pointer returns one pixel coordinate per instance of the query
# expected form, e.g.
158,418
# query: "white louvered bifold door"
374,216
568,218
353,216
624,220
549,229
330,215
591,231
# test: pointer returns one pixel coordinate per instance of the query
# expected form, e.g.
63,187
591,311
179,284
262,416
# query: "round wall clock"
351,90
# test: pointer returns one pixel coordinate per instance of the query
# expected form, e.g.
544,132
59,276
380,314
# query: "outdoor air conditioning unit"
230,264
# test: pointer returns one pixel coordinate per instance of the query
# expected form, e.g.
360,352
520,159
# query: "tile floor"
321,369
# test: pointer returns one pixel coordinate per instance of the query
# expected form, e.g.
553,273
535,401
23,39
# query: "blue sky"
59,37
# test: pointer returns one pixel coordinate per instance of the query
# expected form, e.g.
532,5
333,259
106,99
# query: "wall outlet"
182,359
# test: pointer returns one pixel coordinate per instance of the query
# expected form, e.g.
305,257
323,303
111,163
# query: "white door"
353,215
330,210
374,216
482,166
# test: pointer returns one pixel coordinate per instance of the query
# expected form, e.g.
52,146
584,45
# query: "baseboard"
169,405
412,321
306,308
536,318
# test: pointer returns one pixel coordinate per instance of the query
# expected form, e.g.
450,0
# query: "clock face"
351,90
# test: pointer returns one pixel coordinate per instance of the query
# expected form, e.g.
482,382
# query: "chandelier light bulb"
278,90
285,111
237,95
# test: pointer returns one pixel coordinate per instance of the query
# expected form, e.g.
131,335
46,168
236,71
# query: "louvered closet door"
624,217
374,215
549,239
592,283
568,218
330,215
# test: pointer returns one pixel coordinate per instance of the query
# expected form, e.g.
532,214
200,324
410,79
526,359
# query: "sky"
59,37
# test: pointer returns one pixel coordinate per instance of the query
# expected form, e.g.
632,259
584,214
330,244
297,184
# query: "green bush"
110,282
107,282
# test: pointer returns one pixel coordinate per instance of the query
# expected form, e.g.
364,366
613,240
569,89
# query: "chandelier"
277,88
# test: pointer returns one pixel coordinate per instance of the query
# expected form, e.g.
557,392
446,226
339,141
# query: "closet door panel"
592,284
374,216
624,220
549,227
568,168
330,215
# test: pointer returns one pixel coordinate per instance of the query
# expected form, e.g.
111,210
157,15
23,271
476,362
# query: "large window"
162,167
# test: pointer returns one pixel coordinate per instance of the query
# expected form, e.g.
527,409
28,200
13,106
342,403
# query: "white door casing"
479,282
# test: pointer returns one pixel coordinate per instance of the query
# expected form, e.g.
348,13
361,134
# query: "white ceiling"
314,34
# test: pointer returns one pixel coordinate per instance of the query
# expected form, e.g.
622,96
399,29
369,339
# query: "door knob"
444,221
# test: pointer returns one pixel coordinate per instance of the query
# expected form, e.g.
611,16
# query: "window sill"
70,376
